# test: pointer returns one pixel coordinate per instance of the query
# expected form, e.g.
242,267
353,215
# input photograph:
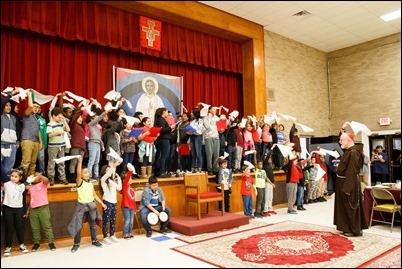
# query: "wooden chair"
199,190
384,201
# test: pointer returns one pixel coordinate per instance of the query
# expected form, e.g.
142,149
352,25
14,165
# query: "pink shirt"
266,136
38,194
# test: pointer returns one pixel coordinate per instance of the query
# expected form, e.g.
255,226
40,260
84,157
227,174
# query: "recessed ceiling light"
391,16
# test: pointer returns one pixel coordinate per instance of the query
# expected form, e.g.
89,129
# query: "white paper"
68,99
30,179
286,151
204,110
290,145
250,165
131,167
287,117
249,152
68,105
21,95
129,104
66,158
268,119
42,98
76,97
252,118
275,116
359,127
6,152
109,106
234,114
8,90
114,155
305,128
320,172
112,95
53,103
225,155
67,140
225,108
243,123
131,120
332,153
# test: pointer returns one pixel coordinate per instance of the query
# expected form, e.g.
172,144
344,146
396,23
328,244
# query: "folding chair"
384,201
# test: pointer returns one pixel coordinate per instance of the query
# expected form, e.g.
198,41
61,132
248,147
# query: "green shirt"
260,175
42,130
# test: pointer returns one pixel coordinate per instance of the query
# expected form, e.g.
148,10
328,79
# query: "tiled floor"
156,252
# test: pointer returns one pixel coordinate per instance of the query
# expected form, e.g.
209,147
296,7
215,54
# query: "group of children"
262,182
38,211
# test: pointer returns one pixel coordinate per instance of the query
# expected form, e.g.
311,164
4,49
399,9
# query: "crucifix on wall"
150,33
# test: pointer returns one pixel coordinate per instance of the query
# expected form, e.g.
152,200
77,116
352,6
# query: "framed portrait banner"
148,91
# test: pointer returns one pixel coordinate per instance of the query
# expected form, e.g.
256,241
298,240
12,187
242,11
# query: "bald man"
348,211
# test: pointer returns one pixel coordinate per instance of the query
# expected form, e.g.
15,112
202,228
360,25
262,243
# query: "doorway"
392,148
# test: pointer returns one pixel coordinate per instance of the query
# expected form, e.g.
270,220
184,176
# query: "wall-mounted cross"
151,32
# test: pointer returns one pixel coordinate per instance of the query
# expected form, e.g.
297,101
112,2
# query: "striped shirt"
55,141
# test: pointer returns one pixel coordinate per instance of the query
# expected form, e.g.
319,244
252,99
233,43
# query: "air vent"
271,94
301,13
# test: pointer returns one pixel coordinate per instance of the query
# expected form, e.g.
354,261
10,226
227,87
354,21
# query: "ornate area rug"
390,259
290,244
206,236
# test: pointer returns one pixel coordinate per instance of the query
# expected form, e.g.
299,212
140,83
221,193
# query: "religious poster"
148,91
150,33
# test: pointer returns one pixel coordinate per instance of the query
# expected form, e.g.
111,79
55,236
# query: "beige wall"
365,83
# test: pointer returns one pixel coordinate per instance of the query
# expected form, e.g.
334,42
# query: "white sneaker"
7,252
107,241
23,249
114,239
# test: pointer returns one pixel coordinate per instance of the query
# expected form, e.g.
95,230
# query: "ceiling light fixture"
301,13
391,16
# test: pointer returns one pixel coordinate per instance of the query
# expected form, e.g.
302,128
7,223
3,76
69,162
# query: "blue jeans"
144,214
247,205
196,151
128,157
94,150
300,195
92,226
128,220
7,163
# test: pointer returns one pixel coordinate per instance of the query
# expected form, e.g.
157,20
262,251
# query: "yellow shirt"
85,192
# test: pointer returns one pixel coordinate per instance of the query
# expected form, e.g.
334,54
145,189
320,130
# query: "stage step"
211,222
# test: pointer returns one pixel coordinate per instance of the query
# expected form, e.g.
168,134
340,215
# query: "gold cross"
151,32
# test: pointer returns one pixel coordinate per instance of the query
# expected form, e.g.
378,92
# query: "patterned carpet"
290,244
390,259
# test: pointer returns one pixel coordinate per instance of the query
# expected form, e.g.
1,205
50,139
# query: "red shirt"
128,193
247,182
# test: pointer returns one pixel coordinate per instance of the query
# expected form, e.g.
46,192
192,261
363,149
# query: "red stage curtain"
99,24
56,46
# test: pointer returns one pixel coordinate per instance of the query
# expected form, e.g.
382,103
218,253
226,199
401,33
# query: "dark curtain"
56,46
